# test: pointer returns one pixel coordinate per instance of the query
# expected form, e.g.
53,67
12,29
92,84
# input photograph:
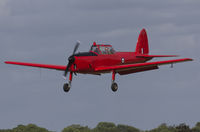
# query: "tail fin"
142,46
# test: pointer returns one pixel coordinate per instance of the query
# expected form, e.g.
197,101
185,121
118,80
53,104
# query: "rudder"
142,46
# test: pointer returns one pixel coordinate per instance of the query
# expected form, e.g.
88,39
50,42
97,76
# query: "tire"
114,87
66,87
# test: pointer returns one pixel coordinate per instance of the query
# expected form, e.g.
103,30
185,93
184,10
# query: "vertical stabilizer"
142,46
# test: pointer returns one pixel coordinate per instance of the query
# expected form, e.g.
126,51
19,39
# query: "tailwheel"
114,87
66,87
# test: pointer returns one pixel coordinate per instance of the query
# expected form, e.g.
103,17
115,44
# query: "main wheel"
66,87
114,87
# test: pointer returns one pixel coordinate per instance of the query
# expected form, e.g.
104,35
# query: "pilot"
106,50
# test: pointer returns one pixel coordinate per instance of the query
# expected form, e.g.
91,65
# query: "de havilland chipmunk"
102,58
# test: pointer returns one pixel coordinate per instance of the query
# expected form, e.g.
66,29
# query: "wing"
152,56
132,68
55,67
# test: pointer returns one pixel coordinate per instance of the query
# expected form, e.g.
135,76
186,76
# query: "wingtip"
189,59
9,62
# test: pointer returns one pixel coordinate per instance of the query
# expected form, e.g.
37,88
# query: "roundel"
123,60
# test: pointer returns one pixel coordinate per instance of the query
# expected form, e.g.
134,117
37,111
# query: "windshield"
106,50
99,49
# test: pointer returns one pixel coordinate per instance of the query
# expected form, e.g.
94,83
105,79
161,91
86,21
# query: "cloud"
117,32
4,8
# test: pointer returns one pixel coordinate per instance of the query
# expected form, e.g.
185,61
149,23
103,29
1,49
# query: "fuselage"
86,62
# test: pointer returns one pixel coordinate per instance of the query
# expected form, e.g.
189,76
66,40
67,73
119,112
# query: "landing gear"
67,86
114,86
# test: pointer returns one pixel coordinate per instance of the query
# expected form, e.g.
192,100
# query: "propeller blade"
71,59
67,69
76,47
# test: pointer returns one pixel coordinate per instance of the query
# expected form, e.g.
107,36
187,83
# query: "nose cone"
71,59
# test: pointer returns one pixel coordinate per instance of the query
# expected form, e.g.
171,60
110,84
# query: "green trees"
163,128
28,128
107,127
196,128
76,128
102,127
179,128
125,128
183,128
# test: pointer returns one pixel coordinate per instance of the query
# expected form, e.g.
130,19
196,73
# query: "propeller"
71,58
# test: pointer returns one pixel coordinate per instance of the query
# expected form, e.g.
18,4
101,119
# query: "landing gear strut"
114,86
67,86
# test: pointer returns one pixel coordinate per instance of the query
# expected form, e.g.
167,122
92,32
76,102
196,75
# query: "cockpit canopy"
102,49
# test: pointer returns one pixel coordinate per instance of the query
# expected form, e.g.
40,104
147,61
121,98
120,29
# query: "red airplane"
104,59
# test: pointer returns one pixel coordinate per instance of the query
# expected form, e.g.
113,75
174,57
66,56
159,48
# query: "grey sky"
45,31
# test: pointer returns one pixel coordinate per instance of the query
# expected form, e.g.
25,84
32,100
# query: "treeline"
107,127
